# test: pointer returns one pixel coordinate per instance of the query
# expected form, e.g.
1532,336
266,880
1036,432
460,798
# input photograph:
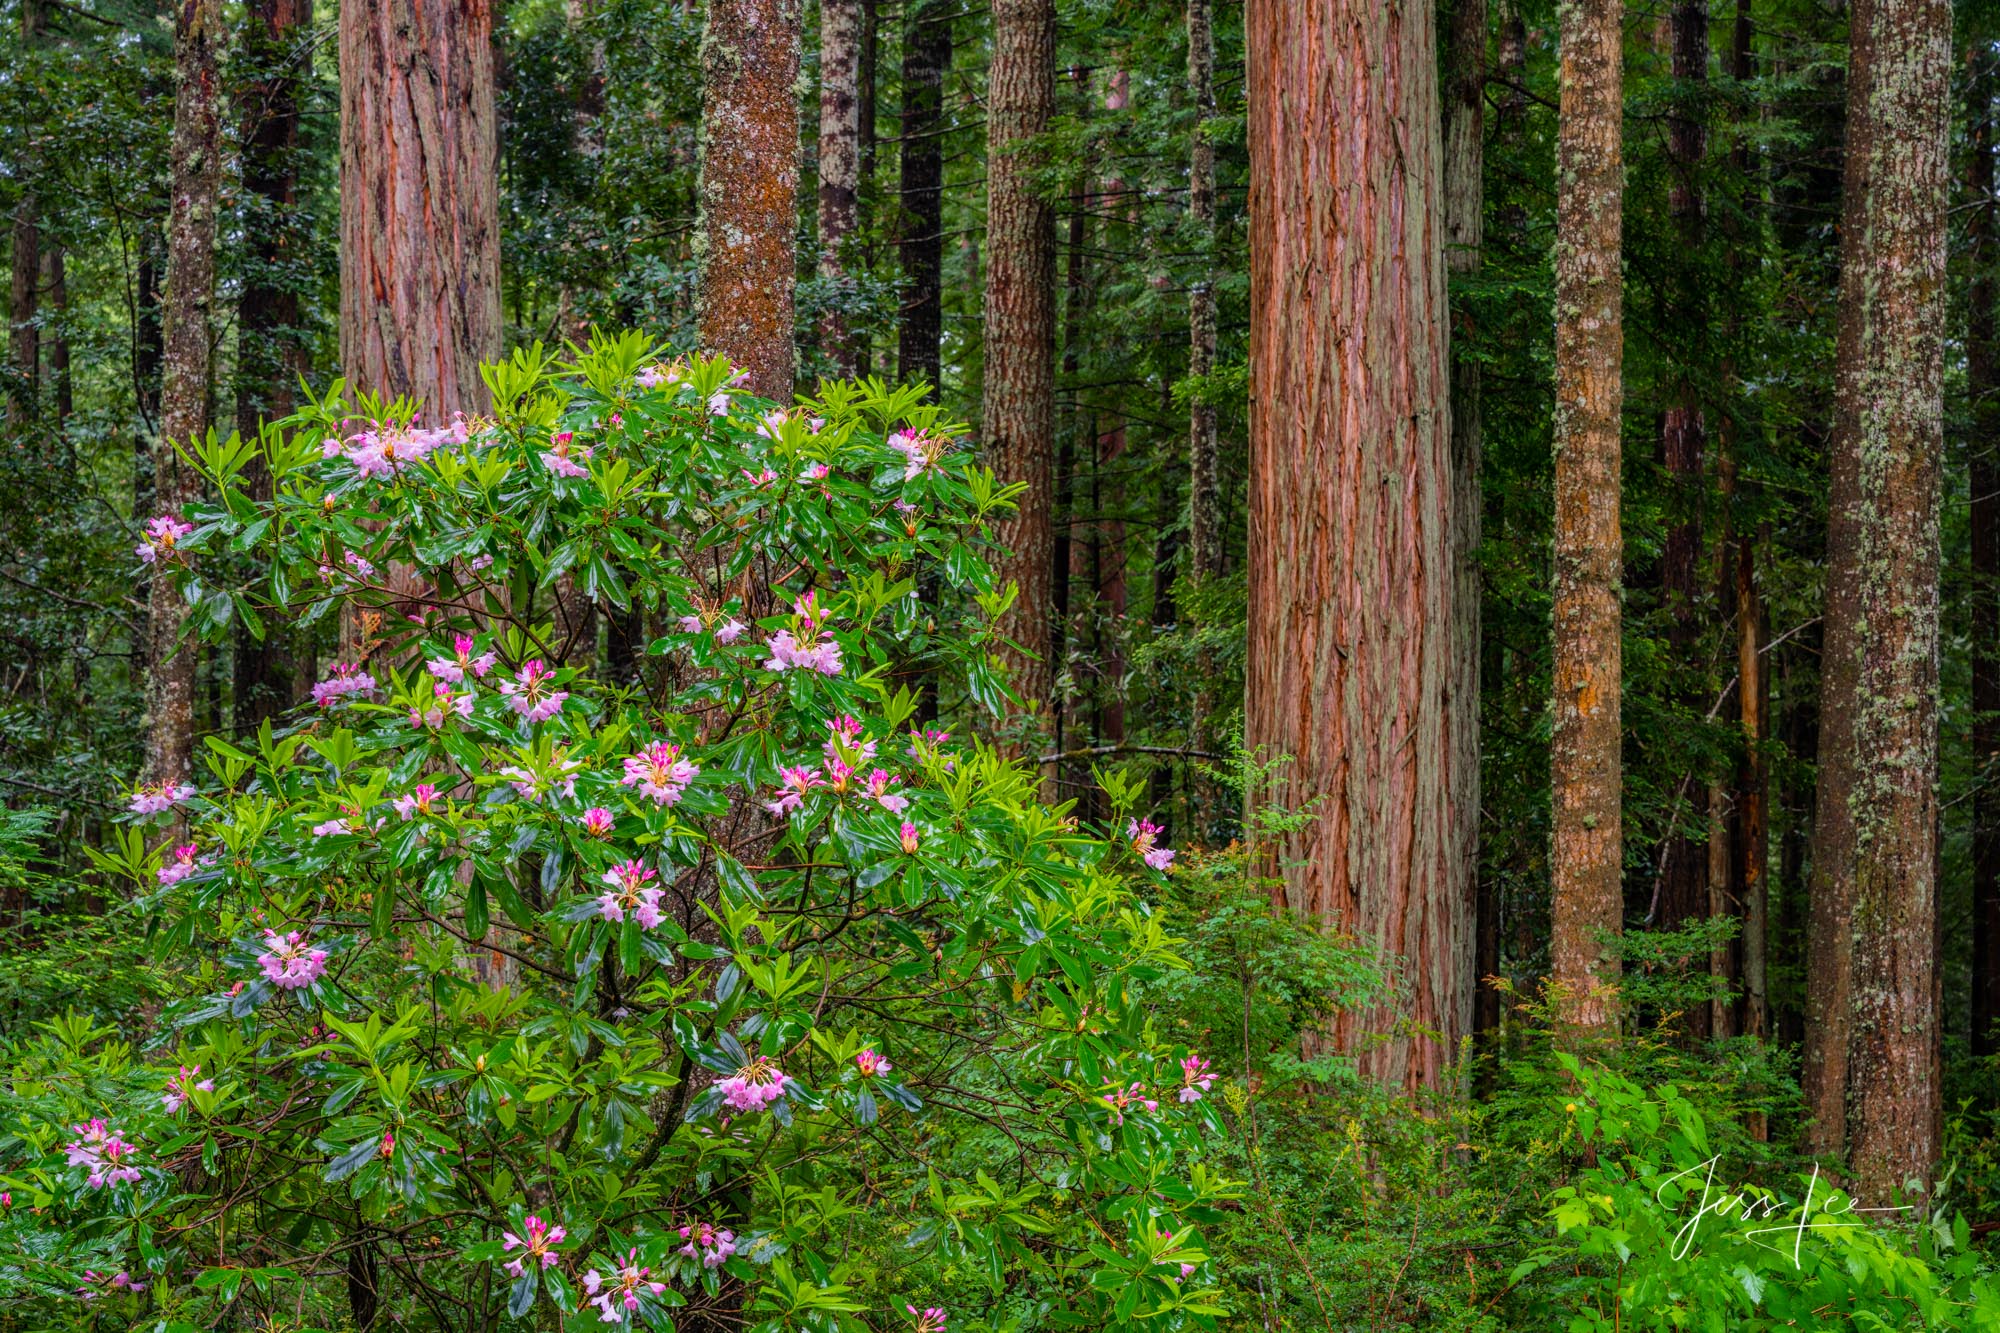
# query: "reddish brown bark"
750,186
1354,551
195,179
1587,859
420,221
1204,482
1019,408
55,287
1982,364
840,28
24,289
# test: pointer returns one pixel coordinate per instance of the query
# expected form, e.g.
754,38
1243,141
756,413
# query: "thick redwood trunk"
1982,364
750,186
1018,420
1354,551
840,28
920,235
1587,858
420,220
1879,745
195,180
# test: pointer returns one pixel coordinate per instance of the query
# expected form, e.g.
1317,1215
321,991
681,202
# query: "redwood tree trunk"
195,179
840,28
1587,860
1019,409
420,221
1204,480
750,187
1354,552
1982,364
920,235
1882,604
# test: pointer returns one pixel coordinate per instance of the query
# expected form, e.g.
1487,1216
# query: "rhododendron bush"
507,993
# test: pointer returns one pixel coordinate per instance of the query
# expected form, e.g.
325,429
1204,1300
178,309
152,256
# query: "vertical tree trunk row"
1587,902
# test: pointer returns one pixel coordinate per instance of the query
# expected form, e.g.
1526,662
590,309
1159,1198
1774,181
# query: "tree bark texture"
420,221
1018,419
840,29
55,288
195,180
1882,601
1982,364
1354,554
749,187
920,232
1587,858
1204,469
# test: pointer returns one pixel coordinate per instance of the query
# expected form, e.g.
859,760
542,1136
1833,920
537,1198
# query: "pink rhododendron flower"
533,695
718,403
754,1087
98,1149
182,1085
806,645
360,564
539,1244
731,631
653,377
347,678
597,821
123,1282
447,705
154,797
816,472
559,778
910,837
928,744
632,891
794,783
478,562
390,446
929,1320
1196,1076
289,960
690,624
920,452
1187,1270
418,802
180,867
707,1243
872,1065
1125,1099
660,772
845,741
839,775
620,1296
163,536
761,478
1143,833
454,668
878,792
561,454
388,1144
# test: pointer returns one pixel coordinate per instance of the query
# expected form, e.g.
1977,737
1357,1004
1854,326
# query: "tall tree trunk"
1982,364
24,333
55,286
1464,235
1204,469
195,180
271,353
1354,550
920,233
840,28
1018,419
750,187
1879,746
1587,902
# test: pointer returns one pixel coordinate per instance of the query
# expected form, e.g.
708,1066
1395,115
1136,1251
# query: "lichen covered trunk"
840,43
749,187
1018,416
1354,551
1587,857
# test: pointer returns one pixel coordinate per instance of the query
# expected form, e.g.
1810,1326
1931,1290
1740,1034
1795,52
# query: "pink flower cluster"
1126,1099
732,629
620,1297
152,798
631,891
540,1243
921,453
806,646
1196,1078
181,1085
878,791
561,455
846,741
707,1243
98,1149
659,771
597,821
447,705
163,536
1144,834
455,668
929,744
872,1065
418,802
793,784
653,377
773,421
533,695
99,1285
754,1087
929,1320
347,678
560,778
289,961
180,867
911,837
390,446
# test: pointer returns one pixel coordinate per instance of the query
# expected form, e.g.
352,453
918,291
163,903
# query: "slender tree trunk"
840,27
1982,363
1882,602
420,221
1752,836
920,236
55,286
1587,862
1354,550
24,332
750,186
1019,409
1204,469
195,180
